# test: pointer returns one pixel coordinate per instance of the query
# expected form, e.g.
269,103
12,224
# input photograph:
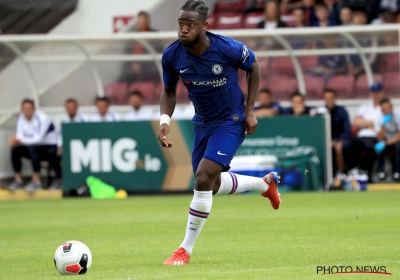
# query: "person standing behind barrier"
36,139
346,16
138,112
359,151
72,116
267,107
389,139
340,132
299,106
103,113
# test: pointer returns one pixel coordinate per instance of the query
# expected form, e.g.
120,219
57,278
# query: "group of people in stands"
376,129
316,13
37,138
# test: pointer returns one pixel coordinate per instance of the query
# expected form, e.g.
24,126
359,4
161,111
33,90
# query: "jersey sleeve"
242,57
170,77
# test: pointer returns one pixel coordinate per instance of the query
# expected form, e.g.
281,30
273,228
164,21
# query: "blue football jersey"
211,78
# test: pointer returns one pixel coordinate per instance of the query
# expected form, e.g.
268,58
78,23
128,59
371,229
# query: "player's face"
71,108
190,27
330,100
102,107
27,110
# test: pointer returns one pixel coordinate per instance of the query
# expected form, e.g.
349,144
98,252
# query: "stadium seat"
251,20
389,62
282,86
182,95
229,21
281,66
362,86
314,86
343,84
211,22
117,92
391,83
308,61
146,88
223,6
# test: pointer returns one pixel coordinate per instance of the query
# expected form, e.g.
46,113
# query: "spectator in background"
146,70
360,17
389,139
36,139
340,132
73,115
298,106
346,16
143,22
138,112
272,17
334,11
322,13
309,13
367,121
267,107
103,113
298,18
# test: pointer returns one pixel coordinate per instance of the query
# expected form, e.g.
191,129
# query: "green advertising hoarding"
128,155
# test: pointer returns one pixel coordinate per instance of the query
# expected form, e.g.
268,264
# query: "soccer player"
208,65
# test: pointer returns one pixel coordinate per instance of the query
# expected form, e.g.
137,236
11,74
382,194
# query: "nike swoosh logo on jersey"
182,71
221,154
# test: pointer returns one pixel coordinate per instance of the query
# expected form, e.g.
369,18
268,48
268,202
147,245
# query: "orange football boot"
180,257
272,179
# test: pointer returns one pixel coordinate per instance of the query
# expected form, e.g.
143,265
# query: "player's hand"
251,123
162,136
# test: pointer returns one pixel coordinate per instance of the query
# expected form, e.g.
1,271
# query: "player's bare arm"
167,107
253,82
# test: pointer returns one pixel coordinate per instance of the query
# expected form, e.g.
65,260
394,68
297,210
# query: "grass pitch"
244,238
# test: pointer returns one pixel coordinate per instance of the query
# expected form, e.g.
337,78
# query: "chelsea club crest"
217,69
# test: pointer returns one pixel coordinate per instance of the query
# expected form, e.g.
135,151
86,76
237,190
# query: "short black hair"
265,90
71,100
106,99
330,90
321,5
196,6
143,13
136,93
384,100
28,100
296,93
